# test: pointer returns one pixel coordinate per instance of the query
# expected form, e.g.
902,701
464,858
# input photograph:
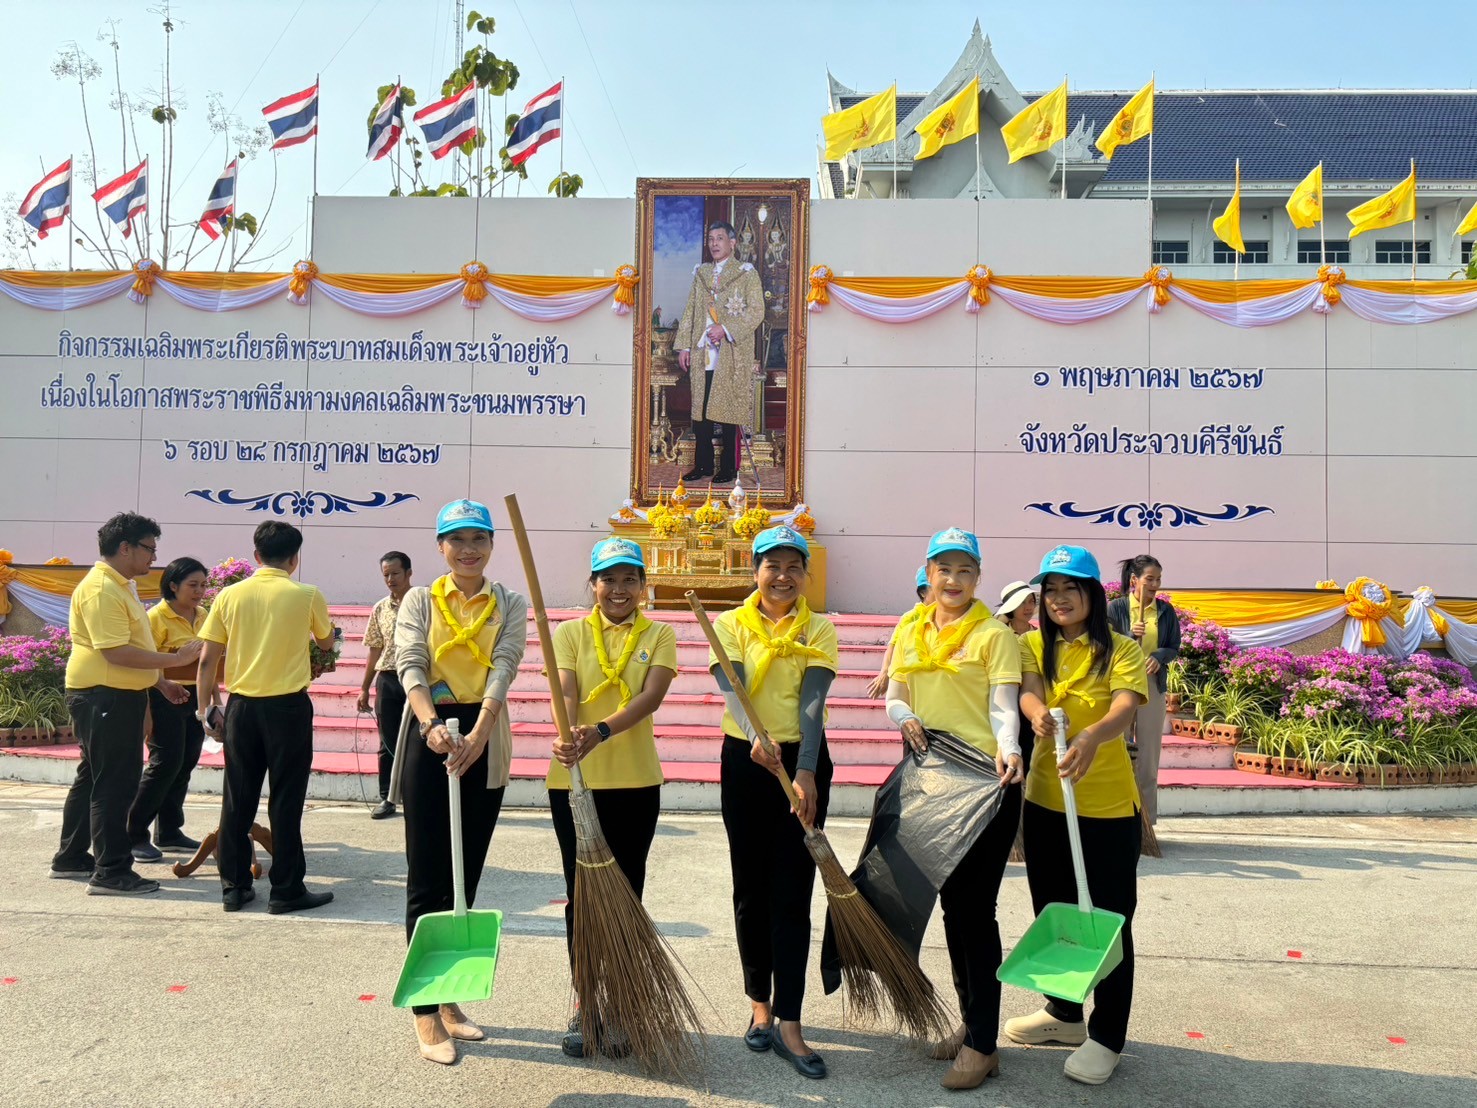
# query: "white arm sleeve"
1005,718
900,711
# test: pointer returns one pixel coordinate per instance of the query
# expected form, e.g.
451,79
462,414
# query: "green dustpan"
453,955
1070,947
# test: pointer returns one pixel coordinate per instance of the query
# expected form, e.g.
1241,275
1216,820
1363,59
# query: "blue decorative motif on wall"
1151,517
301,504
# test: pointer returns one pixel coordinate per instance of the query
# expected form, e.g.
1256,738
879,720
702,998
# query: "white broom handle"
397,765
458,874
1069,802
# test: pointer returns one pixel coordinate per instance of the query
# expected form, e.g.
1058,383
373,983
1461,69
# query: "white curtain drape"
1054,309
1253,313
66,299
888,309
1288,632
221,300
47,606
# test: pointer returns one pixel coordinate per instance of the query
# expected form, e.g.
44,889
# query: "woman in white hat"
786,655
458,644
958,670
1017,607
615,667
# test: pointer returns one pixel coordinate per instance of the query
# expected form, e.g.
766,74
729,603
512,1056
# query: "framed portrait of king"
719,357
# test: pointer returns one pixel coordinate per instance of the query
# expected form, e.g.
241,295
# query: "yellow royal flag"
1134,121
1305,205
1468,224
1227,228
869,123
1039,127
1387,210
956,118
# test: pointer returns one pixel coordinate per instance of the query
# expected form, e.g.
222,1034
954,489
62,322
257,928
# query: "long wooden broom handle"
541,620
742,694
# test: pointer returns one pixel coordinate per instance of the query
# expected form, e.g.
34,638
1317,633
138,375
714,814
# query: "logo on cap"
1061,556
784,535
954,534
615,548
463,509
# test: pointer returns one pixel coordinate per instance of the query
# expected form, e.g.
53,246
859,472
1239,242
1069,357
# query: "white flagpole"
1151,172
1064,145
1236,273
563,126
318,96
894,138
978,166
1322,243
71,226
861,167
1412,219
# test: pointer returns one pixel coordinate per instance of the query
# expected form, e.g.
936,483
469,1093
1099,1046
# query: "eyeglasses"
152,548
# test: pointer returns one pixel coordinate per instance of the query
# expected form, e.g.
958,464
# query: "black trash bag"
927,815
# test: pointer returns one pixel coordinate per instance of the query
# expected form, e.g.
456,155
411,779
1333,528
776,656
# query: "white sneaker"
1043,1027
1091,1063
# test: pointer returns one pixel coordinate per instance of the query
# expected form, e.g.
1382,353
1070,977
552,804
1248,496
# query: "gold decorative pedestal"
720,573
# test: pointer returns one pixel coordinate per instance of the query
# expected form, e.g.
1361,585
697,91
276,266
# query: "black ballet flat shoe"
807,1065
757,1038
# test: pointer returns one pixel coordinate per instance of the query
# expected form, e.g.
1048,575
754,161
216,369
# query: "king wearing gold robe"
724,308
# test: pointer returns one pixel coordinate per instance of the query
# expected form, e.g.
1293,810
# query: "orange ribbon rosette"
474,291
626,277
817,298
304,273
979,286
145,271
1332,277
1160,278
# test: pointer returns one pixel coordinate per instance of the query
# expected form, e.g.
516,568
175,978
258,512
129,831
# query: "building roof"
1279,136
906,102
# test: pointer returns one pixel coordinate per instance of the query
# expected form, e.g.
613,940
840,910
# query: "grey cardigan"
1169,633
413,662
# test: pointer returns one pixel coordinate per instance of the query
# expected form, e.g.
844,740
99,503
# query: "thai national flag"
449,123
126,197
389,121
48,204
293,119
539,124
222,203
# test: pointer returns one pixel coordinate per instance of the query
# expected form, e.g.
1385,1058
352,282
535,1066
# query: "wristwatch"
430,723
603,729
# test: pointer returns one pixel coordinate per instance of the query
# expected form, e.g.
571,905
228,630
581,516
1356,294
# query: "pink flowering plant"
226,573
32,679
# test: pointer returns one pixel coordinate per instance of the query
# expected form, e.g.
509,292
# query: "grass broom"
878,973
1149,844
625,972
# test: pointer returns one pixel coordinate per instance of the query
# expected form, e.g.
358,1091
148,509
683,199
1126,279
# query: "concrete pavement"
272,1009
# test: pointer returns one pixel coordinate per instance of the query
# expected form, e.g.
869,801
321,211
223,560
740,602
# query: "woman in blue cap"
458,644
925,596
1076,662
615,667
787,657
958,670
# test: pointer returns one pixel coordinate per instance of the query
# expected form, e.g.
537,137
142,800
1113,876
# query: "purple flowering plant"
226,573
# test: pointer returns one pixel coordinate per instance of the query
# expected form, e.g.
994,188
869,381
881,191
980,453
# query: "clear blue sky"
655,87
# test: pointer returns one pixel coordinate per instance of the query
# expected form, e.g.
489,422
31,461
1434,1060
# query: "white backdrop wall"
909,428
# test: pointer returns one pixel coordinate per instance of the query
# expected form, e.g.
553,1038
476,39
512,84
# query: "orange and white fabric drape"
544,299
1072,300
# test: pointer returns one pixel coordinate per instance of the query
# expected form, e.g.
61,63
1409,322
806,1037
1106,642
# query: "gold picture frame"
771,217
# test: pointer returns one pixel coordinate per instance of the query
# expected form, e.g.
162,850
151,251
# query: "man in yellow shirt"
112,666
262,625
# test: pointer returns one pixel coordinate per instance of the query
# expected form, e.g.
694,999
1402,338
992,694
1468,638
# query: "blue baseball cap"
954,538
464,515
921,581
1069,561
765,541
615,552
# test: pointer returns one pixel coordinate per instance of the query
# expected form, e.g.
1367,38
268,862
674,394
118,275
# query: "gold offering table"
715,563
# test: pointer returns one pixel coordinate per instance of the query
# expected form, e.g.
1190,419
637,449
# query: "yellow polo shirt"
628,760
105,612
1108,789
462,672
959,703
778,699
266,622
172,632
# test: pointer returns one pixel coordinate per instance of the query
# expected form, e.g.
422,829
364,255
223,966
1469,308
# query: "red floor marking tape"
1396,1039
9,980
1194,1034
560,900
176,988
1294,953
367,997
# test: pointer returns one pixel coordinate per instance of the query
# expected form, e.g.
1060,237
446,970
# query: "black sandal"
758,1039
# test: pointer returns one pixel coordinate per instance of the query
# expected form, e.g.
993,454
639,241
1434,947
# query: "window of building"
1334,250
1256,253
1398,250
1171,252
1467,252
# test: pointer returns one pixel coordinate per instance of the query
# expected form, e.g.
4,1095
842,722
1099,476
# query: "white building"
1364,138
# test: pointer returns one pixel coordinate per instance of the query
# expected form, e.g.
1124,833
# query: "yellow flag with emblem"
1227,227
1134,121
1386,210
1040,127
1468,224
869,123
956,118
1305,205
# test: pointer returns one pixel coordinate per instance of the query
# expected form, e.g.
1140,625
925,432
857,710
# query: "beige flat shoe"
946,1050
436,1045
1091,1063
458,1026
970,1069
1042,1027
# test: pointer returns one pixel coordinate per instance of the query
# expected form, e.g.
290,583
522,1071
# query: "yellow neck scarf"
949,639
776,646
461,636
1058,691
613,678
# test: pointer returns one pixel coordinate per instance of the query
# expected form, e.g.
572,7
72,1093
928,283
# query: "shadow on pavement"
1282,861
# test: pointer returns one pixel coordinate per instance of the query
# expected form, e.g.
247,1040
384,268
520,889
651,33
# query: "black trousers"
110,730
970,929
702,434
174,751
389,705
426,797
628,822
773,873
271,738
1110,849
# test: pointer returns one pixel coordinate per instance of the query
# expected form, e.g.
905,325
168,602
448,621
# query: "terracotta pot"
1249,761
1186,728
1341,772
